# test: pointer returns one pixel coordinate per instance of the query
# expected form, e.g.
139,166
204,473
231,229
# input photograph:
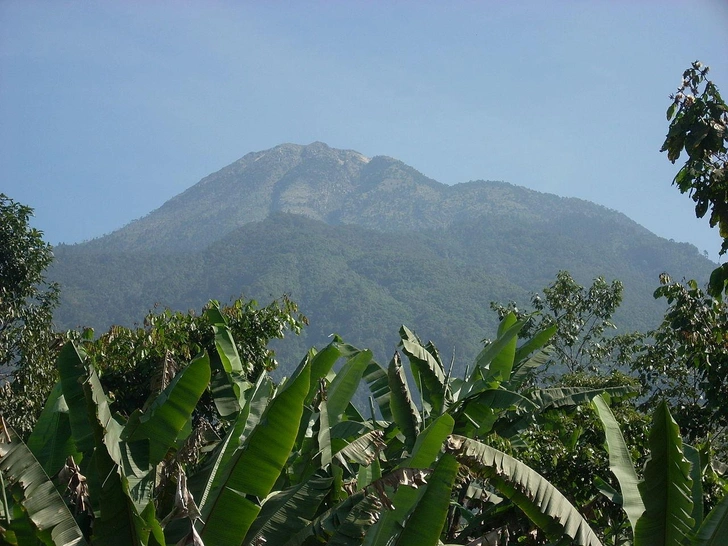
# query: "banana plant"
543,503
665,506
492,397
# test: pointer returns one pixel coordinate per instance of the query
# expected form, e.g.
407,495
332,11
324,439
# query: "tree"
137,363
583,317
699,125
27,301
686,361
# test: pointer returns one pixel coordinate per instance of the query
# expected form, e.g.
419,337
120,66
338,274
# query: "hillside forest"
557,430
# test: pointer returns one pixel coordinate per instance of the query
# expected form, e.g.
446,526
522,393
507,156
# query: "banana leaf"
696,474
252,470
378,382
480,412
110,462
210,475
287,512
424,525
559,397
43,504
170,411
228,383
714,530
404,411
323,527
522,369
345,384
543,503
322,362
405,499
666,488
51,441
427,371
620,462
537,342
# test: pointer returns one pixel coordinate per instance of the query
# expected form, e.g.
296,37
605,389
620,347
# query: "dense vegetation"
361,283
175,431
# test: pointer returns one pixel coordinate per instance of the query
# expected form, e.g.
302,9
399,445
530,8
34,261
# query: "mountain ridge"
362,244
334,186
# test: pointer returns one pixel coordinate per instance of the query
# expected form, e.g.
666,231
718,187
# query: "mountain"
363,245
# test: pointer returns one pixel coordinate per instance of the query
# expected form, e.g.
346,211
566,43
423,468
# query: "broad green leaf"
367,474
404,411
344,523
345,384
426,450
559,397
608,491
325,525
620,462
522,369
531,492
501,363
324,434
21,530
666,489
714,530
495,361
358,521
364,449
73,375
120,522
156,533
696,472
254,468
224,341
427,372
537,342
424,525
480,412
171,410
42,502
119,467
211,475
287,512
97,435
429,442
376,377
51,441
229,383
321,364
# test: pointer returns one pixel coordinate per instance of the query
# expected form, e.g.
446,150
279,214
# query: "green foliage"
287,463
27,301
35,493
660,505
687,361
583,320
699,125
698,119
136,363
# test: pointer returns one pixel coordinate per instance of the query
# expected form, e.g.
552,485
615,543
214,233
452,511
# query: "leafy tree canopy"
136,363
583,317
27,301
698,119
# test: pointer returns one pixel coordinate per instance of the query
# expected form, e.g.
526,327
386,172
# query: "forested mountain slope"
362,245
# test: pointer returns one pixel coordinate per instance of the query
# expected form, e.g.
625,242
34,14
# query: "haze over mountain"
363,245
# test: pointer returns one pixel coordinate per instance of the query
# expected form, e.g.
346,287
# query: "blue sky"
108,109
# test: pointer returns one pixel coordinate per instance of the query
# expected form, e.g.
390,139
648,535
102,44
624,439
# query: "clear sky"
108,109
